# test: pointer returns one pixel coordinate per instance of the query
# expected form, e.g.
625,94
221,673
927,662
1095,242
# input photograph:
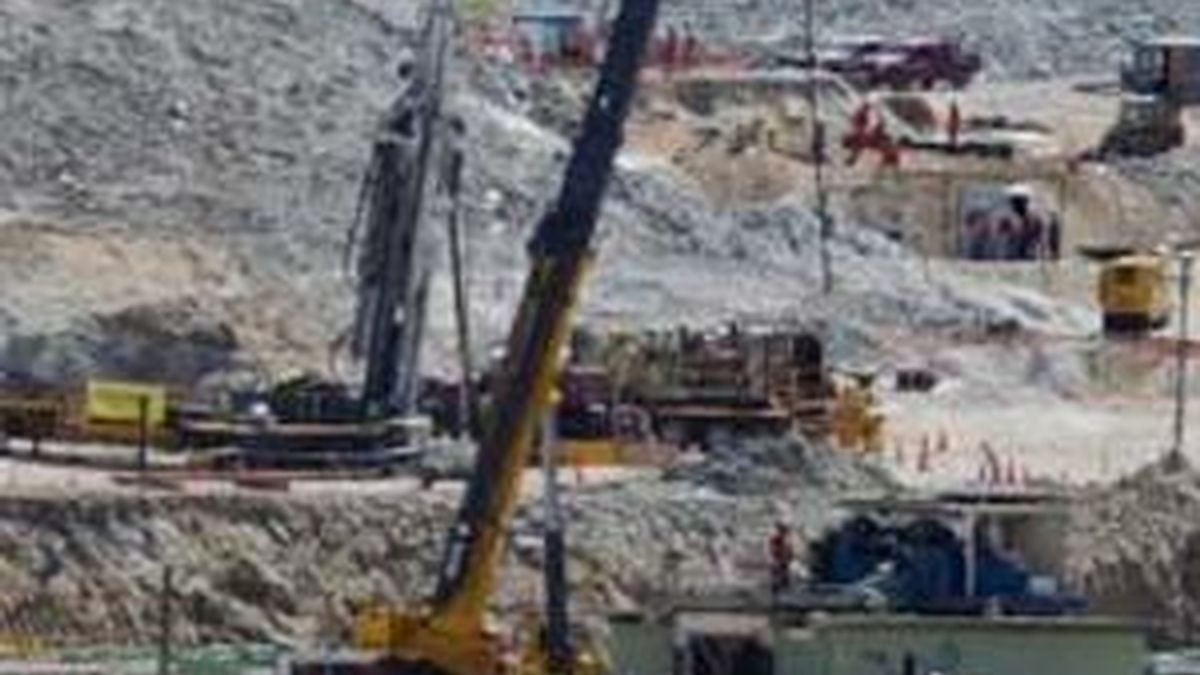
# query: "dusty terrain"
292,568
176,180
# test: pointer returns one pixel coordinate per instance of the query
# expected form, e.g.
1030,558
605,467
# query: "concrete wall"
881,645
639,647
962,647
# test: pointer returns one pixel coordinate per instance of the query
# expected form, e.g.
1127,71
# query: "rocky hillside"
202,160
1136,548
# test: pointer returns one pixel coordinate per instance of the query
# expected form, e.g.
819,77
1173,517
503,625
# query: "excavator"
450,634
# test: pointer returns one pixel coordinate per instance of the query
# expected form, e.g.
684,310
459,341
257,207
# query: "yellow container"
1134,285
593,453
111,402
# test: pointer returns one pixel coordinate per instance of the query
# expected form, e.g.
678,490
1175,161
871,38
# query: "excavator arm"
450,635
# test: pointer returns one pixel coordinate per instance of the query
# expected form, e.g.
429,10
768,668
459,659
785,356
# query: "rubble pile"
1135,550
751,466
1174,179
169,343
293,568
245,568
712,516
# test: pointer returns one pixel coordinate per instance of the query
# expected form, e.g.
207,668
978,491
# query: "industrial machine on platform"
956,584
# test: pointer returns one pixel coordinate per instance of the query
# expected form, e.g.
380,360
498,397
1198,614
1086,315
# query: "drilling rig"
452,634
310,420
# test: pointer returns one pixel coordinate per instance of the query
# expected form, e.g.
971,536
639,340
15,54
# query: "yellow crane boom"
449,634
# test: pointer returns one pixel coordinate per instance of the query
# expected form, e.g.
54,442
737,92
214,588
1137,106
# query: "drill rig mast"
392,267
449,635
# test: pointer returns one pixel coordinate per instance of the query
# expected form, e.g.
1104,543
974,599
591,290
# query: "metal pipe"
143,433
818,148
560,651
1176,458
166,634
468,411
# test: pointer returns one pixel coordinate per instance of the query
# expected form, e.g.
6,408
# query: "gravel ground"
292,568
175,184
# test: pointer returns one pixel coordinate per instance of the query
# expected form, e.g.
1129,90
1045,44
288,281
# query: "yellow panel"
121,402
604,452
1134,286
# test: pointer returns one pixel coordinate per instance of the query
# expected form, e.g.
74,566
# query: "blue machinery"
953,555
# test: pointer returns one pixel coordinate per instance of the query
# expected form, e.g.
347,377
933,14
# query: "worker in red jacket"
857,137
886,145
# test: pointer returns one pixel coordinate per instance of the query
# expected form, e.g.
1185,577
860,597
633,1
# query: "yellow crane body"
450,634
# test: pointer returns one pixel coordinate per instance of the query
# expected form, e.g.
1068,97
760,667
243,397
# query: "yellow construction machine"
674,390
1133,289
1134,293
450,634
857,421
122,412
99,411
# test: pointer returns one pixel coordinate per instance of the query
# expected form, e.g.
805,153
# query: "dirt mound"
1136,550
172,343
760,466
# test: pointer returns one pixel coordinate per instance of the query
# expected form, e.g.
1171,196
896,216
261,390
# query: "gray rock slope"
163,159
